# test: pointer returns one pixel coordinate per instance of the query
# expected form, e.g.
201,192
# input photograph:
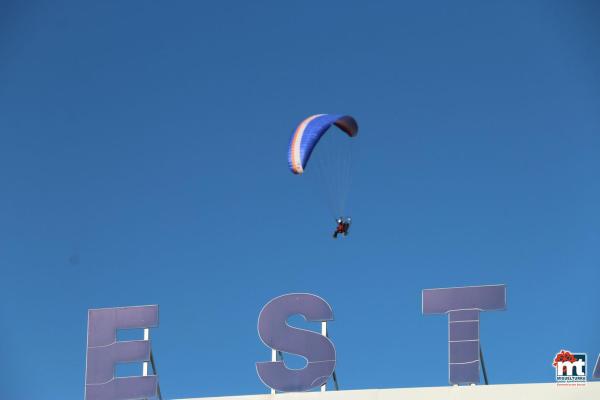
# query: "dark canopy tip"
348,125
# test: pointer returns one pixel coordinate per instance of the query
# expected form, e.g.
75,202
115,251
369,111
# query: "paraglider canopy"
309,132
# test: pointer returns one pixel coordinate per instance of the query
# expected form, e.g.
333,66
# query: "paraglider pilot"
343,224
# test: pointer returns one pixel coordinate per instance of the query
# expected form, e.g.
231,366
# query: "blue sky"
143,160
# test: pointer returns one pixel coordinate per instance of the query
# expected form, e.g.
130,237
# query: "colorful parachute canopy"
307,135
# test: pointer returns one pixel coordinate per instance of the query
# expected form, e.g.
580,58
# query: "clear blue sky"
143,160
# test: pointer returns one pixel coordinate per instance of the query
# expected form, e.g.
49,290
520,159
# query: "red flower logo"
564,356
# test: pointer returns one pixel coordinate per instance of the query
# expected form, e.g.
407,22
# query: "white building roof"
534,391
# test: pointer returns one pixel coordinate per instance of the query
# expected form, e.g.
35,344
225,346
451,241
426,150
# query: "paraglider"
343,224
333,167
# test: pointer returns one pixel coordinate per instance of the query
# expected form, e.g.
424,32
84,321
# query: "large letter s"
274,332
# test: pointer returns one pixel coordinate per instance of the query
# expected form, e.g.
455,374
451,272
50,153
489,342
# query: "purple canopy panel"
104,352
463,306
597,369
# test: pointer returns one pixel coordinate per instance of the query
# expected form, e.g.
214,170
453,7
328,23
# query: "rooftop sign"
462,305
275,333
104,352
